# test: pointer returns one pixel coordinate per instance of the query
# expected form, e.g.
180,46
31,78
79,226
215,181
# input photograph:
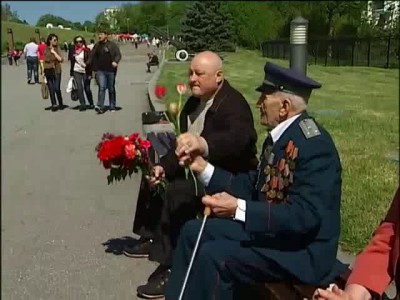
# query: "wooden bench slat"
281,290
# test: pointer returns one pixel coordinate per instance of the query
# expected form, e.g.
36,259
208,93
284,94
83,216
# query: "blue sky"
76,11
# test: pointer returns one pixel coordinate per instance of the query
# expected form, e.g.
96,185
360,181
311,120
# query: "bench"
288,290
283,290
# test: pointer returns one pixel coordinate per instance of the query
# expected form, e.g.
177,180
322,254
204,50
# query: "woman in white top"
82,72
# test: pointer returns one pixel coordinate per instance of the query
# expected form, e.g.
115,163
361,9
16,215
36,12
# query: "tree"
89,26
208,26
175,14
10,16
56,20
254,22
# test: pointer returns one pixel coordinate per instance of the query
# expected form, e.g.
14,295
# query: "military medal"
286,182
280,184
281,165
291,177
286,171
264,188
272,194
271,158
295,152
279,176
267,170
289,147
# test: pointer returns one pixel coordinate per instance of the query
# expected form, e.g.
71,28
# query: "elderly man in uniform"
218,124
280,223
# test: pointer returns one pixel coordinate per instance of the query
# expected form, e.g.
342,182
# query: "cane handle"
207,211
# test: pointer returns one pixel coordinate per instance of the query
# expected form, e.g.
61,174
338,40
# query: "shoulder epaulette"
309,128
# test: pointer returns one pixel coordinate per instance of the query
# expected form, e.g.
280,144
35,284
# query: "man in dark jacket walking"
104,58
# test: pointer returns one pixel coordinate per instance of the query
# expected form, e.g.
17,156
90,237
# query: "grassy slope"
22,33
365,132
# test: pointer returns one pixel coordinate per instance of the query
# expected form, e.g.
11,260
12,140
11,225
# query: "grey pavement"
57,208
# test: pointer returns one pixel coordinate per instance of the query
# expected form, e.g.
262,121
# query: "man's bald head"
209,59
205,74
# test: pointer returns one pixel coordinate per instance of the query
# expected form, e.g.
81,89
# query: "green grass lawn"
22,33
366,131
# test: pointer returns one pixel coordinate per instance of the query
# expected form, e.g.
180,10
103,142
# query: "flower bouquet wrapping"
124,155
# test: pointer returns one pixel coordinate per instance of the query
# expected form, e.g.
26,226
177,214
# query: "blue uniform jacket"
299,231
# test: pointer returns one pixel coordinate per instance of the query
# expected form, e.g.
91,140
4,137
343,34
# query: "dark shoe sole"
135,255
146,296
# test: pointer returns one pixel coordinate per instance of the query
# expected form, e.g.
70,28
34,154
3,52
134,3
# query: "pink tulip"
181,88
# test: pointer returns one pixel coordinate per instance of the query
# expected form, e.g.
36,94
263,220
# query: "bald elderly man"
218,124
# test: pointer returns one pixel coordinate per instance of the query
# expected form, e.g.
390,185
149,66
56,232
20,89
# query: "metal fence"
380,52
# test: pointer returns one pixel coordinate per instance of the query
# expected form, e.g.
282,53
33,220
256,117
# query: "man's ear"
219,76
286,105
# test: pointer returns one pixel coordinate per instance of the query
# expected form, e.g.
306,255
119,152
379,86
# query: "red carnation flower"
130,151
145,144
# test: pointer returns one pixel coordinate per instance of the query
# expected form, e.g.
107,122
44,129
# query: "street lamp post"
298,44
10,38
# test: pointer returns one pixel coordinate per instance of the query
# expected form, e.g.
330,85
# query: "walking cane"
207,212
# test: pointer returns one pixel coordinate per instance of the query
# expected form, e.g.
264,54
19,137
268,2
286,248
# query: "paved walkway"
57,208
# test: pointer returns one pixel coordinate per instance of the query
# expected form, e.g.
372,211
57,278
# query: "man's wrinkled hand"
338,294
196,164
222,205
157,175
188,145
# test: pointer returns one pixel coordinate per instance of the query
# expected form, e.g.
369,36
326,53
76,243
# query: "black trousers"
151,64
161,216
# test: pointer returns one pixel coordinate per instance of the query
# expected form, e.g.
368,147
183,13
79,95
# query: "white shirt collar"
277,132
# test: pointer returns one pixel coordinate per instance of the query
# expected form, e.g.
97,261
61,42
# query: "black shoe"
54,108
158,272
91,106
61,107
139,250
99,110
82,108
155,288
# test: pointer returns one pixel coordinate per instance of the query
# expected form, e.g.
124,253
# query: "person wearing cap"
281,223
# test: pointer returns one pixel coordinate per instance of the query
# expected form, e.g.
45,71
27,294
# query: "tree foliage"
10,16
56,20
208,26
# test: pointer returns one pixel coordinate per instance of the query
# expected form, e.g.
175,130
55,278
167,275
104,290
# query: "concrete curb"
155,103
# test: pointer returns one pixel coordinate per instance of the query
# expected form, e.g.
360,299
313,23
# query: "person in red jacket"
377,266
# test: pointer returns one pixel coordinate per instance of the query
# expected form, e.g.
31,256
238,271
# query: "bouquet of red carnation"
123,155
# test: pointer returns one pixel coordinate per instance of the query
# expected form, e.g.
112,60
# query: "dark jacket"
154,59
95,55
228,130
300,233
